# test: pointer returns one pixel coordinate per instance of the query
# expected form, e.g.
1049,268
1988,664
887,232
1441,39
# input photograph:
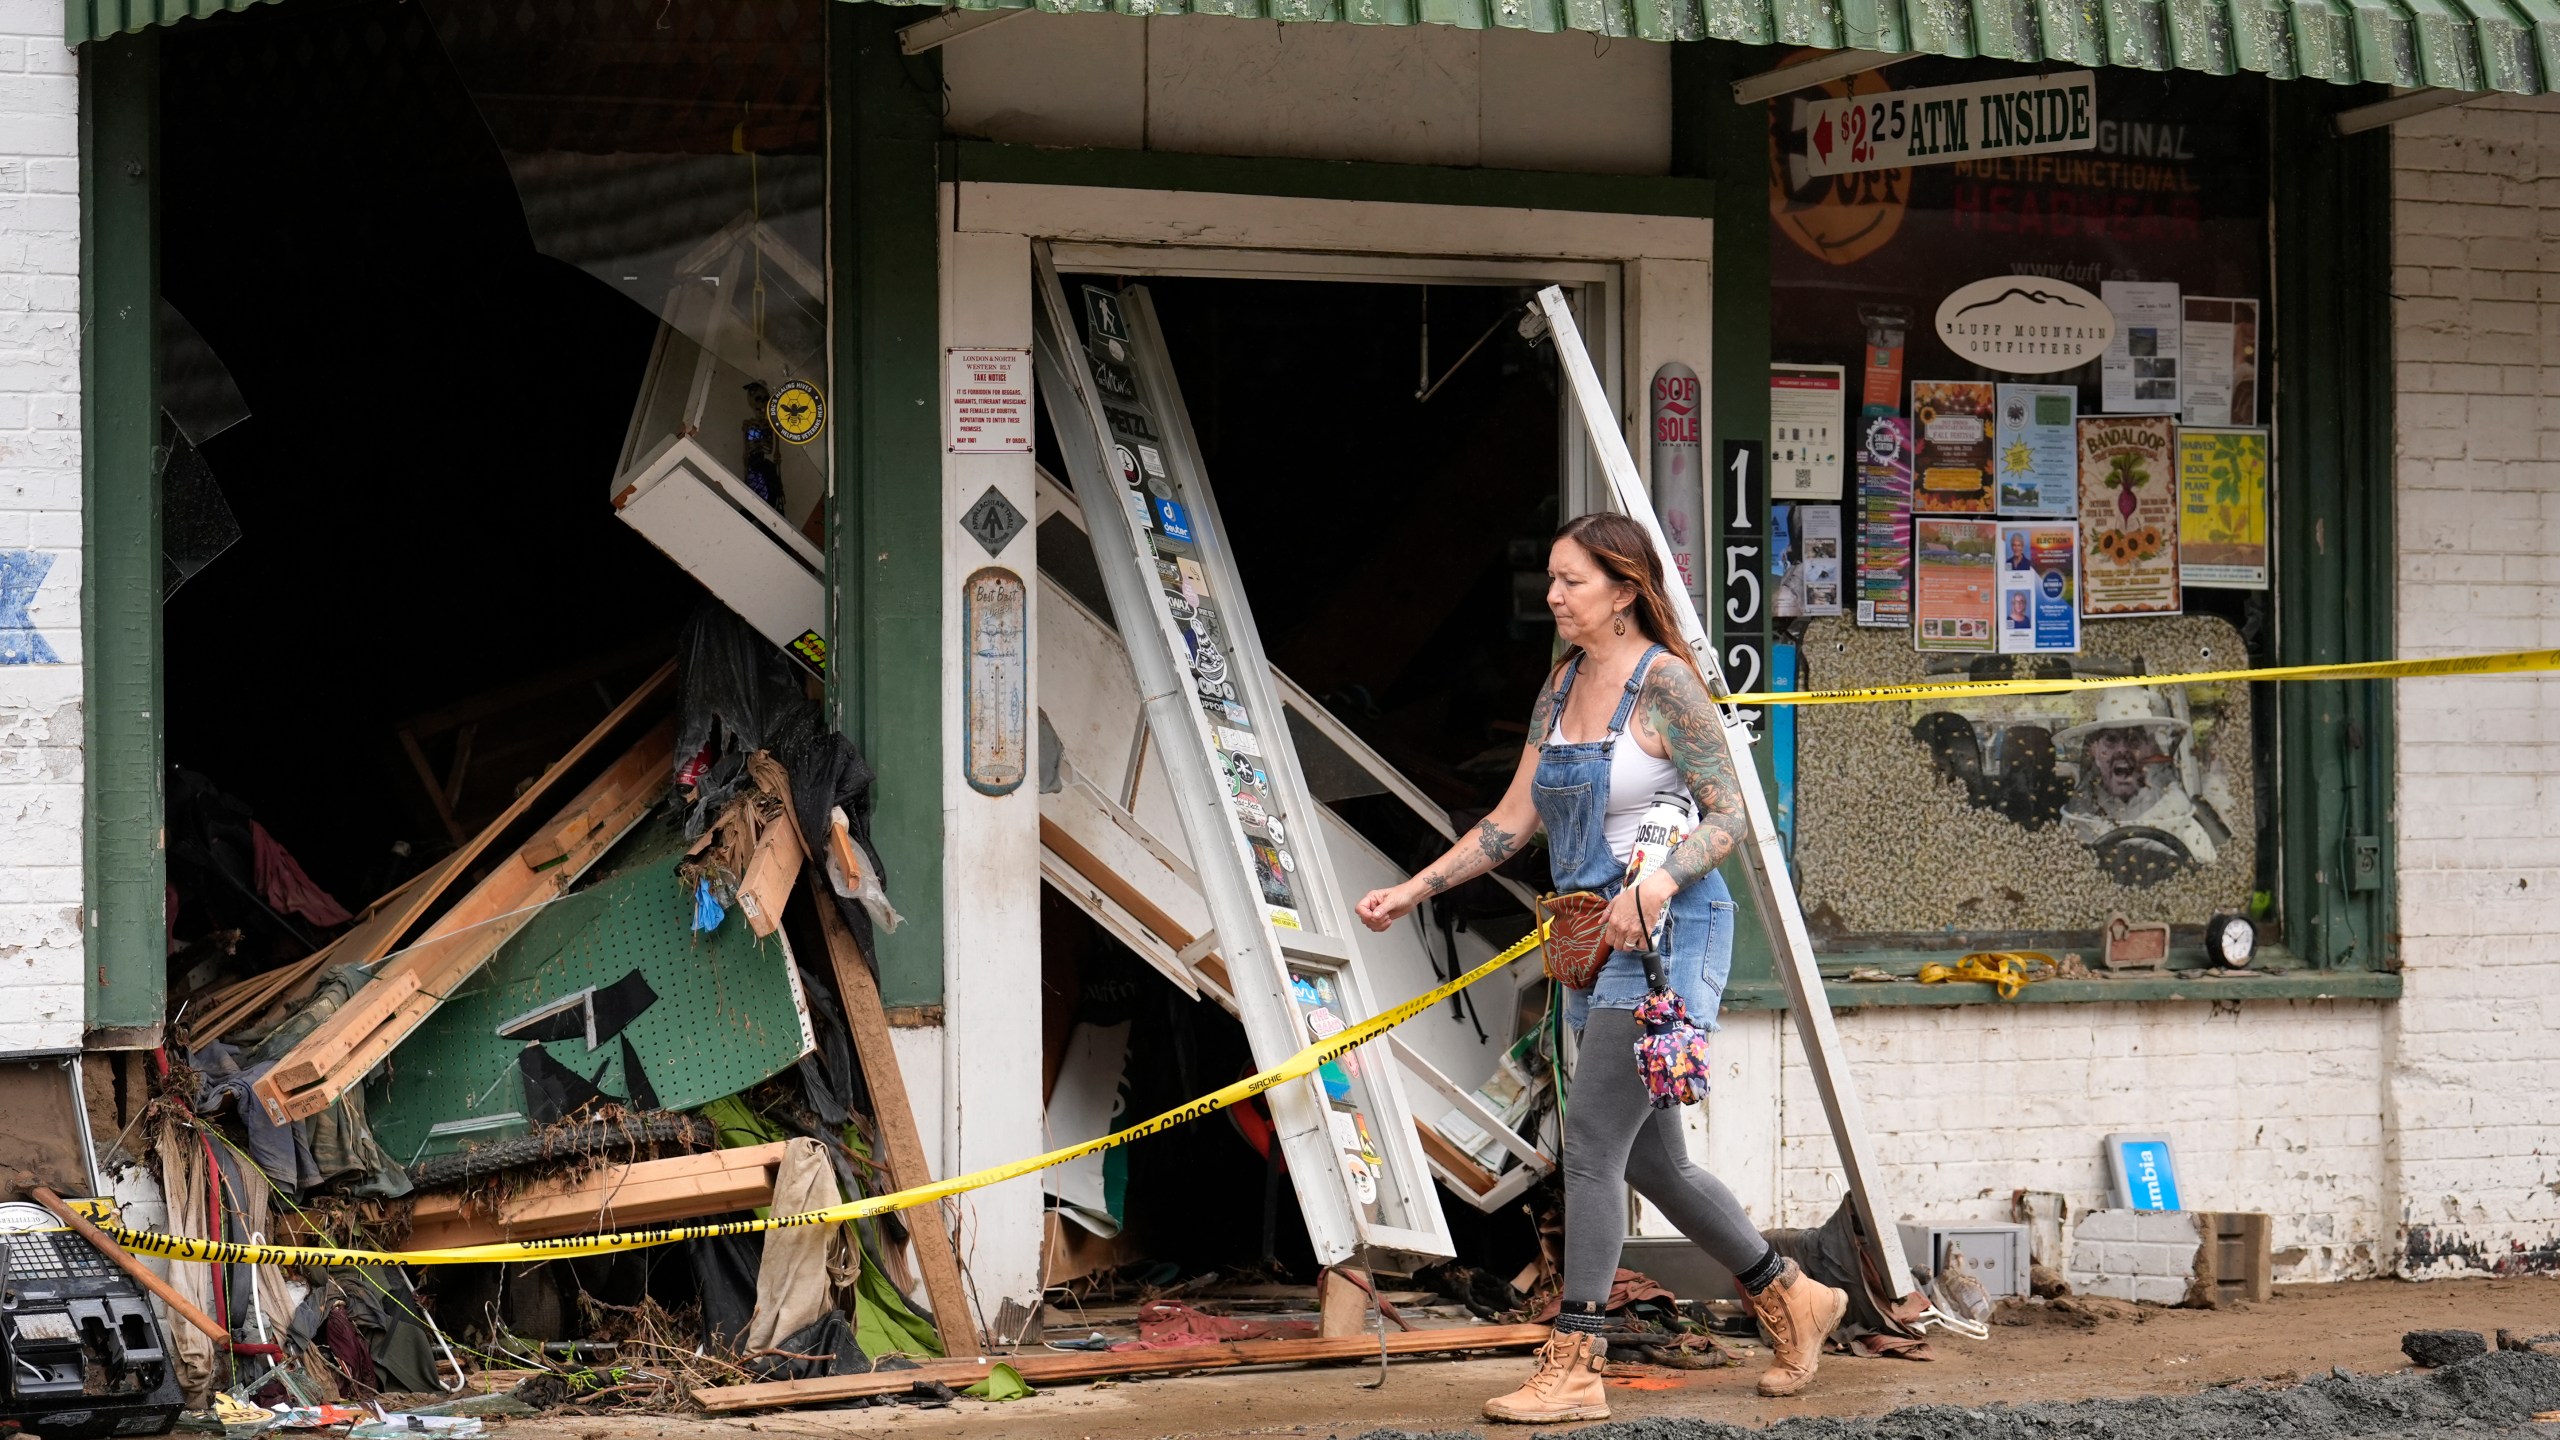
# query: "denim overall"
1571,789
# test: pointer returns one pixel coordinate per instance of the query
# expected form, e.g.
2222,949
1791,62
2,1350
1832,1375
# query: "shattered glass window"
675,151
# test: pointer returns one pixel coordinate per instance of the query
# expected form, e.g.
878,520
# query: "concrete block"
2104,1225
2159,1290
2165,1227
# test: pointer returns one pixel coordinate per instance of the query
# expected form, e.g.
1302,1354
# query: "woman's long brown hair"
1625,553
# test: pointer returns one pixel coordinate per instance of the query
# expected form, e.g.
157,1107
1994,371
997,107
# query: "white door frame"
1646,279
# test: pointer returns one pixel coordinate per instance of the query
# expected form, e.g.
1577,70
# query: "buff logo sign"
2028,115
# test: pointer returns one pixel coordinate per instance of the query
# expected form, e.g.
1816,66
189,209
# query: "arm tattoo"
1493,846
1543,714
1678,708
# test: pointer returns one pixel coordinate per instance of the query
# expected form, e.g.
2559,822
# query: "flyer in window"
2038,444
2222,508
1954,582
1951,432
1807,425
2218,354
2140,372
1818,536
2128,516
1884,522
2039,588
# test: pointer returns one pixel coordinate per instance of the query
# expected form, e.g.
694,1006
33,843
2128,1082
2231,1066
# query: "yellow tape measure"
1304,1063
2504,662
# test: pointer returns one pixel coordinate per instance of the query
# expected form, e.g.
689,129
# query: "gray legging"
1613,1137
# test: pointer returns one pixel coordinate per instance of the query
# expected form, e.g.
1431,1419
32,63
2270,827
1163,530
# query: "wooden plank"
338,1054
1342,1306
455,944
775,863
243,999
1110,882
929,1226
412,908
1058,1367
1460,1165
644,1192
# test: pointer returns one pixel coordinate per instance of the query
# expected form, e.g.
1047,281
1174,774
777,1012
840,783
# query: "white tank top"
1635,777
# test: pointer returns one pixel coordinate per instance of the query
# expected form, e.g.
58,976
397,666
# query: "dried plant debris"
2491,1397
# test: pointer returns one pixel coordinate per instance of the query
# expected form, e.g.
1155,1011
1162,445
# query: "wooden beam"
766,887
929,1226
243,999
1457,1162
123,1260
336,1056
614,1197
415,906
1342,1306
1056,1366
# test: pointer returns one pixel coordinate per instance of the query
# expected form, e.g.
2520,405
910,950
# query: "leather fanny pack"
1577,937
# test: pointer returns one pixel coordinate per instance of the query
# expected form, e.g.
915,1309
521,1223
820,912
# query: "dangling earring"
1619,625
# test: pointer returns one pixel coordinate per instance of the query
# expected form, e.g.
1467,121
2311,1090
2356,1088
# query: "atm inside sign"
1893,128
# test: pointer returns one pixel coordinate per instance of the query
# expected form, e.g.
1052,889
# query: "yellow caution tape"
1304,1063
2006,971
2504,662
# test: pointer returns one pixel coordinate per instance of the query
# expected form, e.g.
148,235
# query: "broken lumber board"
453,946
1056,1366
928,1226
244,999
771,868
336,1056
414,906
613,1197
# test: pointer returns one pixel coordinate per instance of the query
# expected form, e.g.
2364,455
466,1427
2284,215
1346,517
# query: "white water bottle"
1665,823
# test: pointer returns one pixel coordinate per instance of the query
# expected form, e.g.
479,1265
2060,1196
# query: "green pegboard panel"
729,1012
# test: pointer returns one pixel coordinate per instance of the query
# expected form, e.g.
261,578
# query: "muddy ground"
2209,1368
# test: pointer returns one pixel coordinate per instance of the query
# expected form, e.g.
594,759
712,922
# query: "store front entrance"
1385,462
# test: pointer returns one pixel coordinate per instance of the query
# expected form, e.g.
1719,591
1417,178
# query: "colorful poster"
2222,508
1884,522
1807,431
2218,352
2128,516
1954,582
1951,431
1818,537
2139,375
2037,441
2039,588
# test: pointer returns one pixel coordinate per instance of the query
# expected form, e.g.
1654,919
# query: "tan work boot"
1566,1387
1799,1312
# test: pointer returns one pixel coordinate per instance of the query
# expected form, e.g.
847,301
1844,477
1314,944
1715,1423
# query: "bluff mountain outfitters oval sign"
2025,324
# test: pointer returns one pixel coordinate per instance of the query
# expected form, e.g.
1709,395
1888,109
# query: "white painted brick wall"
2269,1105
41,1000
2476,280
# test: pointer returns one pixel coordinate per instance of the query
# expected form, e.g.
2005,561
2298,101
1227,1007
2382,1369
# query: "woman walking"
1624,720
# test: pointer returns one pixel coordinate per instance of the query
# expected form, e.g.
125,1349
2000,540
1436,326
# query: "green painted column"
2335,569
1714,138
123,848
884,552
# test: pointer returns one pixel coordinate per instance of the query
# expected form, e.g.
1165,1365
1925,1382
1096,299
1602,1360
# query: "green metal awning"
2511,46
